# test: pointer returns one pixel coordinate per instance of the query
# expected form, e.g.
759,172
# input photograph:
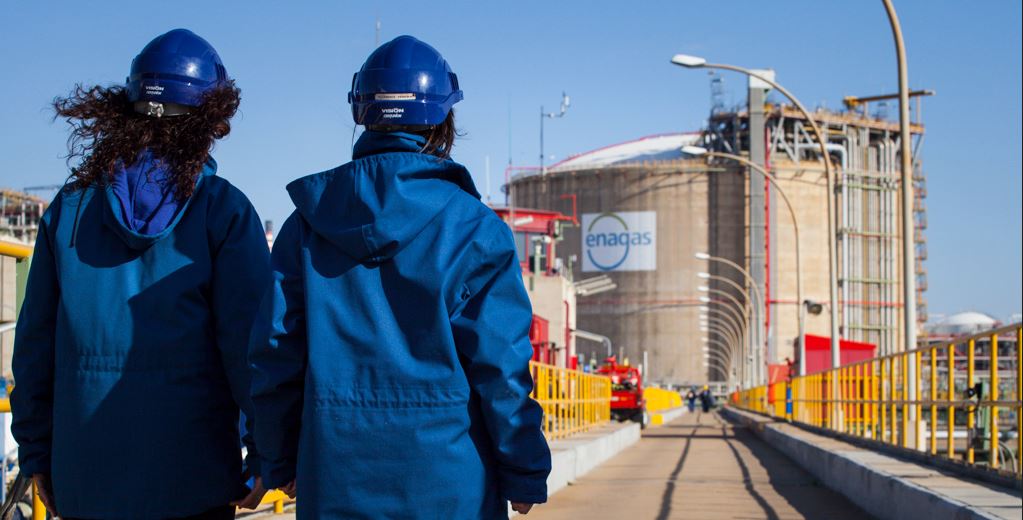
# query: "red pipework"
575,214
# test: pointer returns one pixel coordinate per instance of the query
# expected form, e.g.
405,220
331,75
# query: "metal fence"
967,404
572,401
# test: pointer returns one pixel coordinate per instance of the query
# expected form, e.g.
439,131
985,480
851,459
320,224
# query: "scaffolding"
865,151
19,215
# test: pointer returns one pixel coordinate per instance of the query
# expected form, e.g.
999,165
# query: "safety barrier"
959,412
572,401
659,399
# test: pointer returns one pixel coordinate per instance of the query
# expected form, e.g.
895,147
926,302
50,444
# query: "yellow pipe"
970,409
906,360
12,249
5,405
992,456
884,401
951,414
1019,398
934,398
38,509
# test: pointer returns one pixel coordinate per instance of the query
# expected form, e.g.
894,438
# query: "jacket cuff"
277,474
252,464
31,465
523,489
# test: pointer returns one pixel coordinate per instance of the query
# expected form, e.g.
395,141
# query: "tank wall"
651,310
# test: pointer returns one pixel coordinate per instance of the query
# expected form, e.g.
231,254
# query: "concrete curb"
859,475
572,458
666,416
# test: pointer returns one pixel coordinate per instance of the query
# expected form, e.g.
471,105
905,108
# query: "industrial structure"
647,209
19,215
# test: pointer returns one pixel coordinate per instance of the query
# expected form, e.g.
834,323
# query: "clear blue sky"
294,62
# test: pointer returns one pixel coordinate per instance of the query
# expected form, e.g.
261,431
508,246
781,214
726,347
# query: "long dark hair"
440,139
107,132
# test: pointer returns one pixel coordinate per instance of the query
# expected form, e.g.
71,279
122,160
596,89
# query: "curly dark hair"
107,132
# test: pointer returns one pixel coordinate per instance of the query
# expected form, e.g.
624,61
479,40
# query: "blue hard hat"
176,67
404,82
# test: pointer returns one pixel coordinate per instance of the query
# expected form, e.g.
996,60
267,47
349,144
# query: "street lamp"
749,279
744,339
565,102
728,334
698,62
908,222
801,316
758,300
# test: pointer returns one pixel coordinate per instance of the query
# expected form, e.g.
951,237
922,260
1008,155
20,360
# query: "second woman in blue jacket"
393,380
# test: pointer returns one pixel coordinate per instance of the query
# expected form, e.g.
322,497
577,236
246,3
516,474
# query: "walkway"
697,467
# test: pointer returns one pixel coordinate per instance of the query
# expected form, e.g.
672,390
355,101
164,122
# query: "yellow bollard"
970,409
951,448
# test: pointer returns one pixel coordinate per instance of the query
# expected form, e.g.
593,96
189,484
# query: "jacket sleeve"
241,271
33,358
278,356
492,334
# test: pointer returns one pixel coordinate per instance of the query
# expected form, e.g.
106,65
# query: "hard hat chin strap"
157,109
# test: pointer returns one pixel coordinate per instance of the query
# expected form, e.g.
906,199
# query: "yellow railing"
967,399
572,401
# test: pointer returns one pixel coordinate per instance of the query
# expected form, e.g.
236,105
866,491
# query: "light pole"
800,312
697,62
728,337
724,321
745,320
731,318
565,102
726,333
758,307
908,222
745,274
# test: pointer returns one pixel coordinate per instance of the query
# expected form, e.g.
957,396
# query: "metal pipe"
592,336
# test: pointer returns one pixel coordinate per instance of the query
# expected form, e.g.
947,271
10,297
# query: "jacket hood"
141,207
375,205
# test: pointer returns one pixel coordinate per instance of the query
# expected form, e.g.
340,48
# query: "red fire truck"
627,403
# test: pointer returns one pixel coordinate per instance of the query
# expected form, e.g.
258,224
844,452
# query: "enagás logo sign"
620,241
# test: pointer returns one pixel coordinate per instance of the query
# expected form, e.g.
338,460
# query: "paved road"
697,467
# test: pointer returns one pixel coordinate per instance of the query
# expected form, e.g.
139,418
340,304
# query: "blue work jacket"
130,353
394,379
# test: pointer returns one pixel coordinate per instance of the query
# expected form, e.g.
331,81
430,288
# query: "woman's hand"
521,508
290,489
253,499
45,491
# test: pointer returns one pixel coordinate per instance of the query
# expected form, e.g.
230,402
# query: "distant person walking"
130,353
691,400
393,379
706,399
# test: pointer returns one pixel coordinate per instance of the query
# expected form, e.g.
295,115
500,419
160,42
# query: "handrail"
572,401
15,250
963,387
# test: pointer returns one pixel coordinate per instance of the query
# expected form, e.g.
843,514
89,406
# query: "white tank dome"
963,323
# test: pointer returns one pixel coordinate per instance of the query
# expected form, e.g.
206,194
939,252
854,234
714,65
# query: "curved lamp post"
758,307
697,62
745,320
801,316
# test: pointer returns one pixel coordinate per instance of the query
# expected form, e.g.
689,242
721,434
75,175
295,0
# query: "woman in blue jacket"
394,379
130,351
